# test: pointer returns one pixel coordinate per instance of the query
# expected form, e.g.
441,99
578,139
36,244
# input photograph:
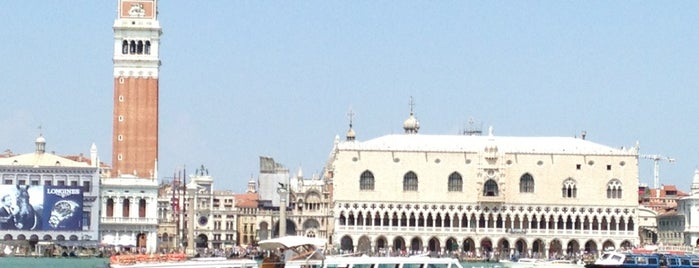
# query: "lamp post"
283,193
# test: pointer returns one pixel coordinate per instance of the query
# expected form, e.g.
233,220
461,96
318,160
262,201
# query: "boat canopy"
291,242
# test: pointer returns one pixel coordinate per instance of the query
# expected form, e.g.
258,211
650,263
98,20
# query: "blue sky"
243,79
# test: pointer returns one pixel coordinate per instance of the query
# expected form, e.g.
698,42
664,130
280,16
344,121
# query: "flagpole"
175,215
184,179
184,211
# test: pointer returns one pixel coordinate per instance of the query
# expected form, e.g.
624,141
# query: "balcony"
498,199
129,221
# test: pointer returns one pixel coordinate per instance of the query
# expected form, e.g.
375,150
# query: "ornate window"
614,189
526,183
490,188
410,182
455,182
570,190
366,181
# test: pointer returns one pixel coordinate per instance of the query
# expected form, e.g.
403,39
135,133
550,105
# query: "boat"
609,258
366,261
308,253
531,263
645,260
178,260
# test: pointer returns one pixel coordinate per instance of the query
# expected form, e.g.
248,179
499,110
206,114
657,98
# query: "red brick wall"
136,100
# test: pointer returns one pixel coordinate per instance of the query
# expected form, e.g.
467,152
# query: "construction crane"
656,169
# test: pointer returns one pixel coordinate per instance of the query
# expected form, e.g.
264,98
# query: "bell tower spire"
136,69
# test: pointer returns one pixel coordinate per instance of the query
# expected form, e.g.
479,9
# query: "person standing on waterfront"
7,214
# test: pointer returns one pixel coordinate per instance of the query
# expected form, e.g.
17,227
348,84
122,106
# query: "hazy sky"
243,79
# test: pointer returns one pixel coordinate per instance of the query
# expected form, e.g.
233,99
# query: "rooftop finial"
412,105
411,125
40,143
350,115
350,133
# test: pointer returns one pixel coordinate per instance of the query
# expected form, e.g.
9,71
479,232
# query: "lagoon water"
21,262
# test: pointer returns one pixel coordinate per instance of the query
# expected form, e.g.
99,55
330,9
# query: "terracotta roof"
663,192
247,200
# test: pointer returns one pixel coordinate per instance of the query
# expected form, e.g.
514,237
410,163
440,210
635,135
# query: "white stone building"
688,209
311,206
52,198
535,196
308,210
129,212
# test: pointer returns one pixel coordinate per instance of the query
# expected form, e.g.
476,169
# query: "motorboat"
531,263
366,261
519,263
612,259
308,252
168,261
609,258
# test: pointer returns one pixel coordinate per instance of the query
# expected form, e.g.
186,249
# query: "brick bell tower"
136,67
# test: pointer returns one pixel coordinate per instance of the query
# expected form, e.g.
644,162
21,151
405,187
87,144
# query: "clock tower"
136,68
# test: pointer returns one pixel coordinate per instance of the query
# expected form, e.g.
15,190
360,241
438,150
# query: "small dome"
351,135
411,125
40,144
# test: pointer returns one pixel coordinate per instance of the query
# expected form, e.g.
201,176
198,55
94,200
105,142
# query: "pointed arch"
410,182
342,220
398,243
416,244
364,245
570,189
366,181
346,244
381,244
490,188
469,245
433,245
614,189
455,183
526,183
451,245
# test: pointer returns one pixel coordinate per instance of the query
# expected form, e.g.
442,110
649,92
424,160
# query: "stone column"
118,207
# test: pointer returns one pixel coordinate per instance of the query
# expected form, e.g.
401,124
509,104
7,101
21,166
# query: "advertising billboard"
39,207
63,208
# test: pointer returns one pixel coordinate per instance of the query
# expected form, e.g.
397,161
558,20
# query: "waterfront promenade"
21,262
